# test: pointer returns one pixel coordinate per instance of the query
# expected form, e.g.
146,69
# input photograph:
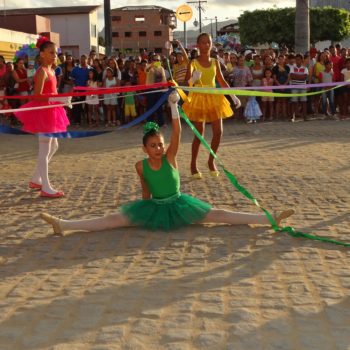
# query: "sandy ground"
203,287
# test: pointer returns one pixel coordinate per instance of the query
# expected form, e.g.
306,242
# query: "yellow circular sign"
184,13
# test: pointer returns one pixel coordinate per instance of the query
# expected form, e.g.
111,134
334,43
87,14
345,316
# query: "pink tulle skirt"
45,120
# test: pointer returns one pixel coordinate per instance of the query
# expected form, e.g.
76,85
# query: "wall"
10,41
26,23
151,24
74,31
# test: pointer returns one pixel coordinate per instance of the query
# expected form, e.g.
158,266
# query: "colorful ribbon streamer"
81,134
234,91
60,135
299,86
77,134
288,229
86,91
149,112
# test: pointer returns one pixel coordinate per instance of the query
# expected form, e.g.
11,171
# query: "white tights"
47,148
222,216
119,220
98,224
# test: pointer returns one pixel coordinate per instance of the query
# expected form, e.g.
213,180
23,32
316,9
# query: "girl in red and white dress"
46,120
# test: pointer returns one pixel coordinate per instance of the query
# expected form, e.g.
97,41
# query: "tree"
277,25
267,26
321,19
302,26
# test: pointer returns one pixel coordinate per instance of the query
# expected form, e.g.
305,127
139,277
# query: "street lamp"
211,26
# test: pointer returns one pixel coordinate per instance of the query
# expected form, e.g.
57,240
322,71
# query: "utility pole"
200,9
108,27
302,25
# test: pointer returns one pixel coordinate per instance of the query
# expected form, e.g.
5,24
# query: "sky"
223,9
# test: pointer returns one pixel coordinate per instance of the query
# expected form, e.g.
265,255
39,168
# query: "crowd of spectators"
266,68
271,68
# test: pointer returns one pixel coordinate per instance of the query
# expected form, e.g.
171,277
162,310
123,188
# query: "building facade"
142,27
345,4
76,25
11,41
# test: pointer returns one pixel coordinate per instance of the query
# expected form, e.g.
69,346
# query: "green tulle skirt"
166,214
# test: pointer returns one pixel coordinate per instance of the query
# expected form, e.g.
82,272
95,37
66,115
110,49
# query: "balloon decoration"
30,51
27,50
229,42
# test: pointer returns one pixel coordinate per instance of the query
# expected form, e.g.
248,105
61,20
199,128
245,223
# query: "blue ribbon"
8,130
79,134
149,112
61,135
75,134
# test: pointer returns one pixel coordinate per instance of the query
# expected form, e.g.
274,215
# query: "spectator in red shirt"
22,82
335,59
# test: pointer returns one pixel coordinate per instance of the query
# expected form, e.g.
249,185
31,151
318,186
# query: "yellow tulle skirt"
207,107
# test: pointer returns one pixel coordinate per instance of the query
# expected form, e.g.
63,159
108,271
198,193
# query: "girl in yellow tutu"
204,71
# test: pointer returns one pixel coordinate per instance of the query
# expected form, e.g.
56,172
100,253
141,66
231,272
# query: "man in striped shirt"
297,76
180,67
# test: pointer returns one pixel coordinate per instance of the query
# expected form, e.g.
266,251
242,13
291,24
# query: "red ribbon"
87,91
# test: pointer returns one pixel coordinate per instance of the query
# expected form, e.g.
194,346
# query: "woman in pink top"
46,120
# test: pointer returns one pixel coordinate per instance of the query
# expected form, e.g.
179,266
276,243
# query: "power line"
200,9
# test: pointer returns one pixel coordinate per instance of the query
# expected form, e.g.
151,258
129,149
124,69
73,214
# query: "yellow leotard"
206,107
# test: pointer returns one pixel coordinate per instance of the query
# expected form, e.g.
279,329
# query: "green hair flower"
150,127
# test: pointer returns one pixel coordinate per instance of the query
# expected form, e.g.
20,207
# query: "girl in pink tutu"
45,120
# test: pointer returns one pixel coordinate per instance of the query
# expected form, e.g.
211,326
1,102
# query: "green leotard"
168,208
164,182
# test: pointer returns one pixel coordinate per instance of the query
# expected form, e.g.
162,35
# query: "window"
116,18
128,34
157,33
142,34
93,30
115,34
139,18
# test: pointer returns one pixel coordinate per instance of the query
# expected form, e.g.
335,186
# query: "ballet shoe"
214,173
197,176
55,222
284,214
58,194
34,186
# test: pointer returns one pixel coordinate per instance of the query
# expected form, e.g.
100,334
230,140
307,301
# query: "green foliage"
329,23
277,25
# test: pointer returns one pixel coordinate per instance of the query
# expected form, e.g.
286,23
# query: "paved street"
202,287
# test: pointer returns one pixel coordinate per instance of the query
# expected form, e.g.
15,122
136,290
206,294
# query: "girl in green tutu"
163,206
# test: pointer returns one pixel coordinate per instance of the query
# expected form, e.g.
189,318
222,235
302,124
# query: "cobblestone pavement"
203,287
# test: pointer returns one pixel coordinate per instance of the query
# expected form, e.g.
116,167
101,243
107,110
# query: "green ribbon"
288,229
223,91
